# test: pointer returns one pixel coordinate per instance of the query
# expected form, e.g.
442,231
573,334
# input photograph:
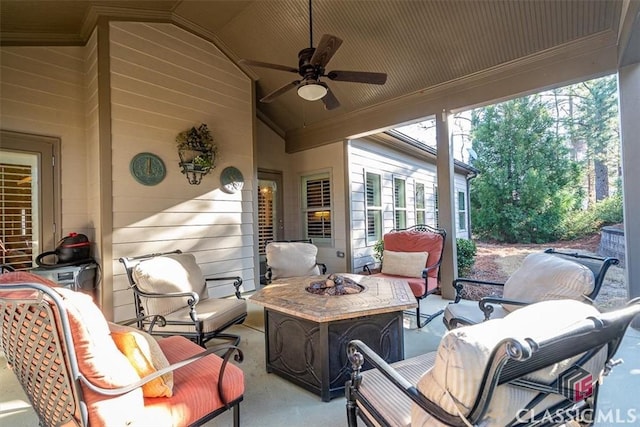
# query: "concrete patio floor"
272,401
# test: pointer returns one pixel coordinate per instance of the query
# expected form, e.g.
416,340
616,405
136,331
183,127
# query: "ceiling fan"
311,67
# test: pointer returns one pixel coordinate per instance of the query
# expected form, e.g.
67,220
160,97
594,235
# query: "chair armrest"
192,301
485,304
237,282
460,282
425,272
356,353
366,268
230,351
322,266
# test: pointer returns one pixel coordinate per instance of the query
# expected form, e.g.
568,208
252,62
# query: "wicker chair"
77,369
545,275
403,257
542,362
171,298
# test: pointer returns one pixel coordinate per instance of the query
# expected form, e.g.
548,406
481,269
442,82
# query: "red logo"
576,384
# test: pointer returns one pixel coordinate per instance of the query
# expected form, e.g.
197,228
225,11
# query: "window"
421,206
317,207
400,203
374,208
436,220
462,211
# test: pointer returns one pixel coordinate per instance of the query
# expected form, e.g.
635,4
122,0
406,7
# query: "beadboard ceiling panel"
419,44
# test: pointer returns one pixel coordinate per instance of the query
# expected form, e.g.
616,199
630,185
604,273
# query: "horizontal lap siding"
43,93
367,156
165,80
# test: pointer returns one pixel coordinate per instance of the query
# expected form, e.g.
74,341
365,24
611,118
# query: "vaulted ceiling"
421,45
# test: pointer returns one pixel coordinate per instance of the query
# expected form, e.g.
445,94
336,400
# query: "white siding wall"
43,93
368,156
165,80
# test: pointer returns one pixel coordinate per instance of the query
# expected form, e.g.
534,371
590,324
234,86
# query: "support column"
446,208
629,98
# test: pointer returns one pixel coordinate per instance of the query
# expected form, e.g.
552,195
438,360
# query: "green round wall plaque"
231,179
147,168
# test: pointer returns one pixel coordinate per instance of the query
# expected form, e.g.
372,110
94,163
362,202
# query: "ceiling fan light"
312,91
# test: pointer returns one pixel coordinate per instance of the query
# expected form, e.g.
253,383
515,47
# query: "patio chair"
171,298
544,360
292,258
542,276
79,370
414,254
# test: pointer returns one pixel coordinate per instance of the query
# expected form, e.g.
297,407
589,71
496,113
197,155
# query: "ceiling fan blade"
268,65
276,93
330,101
358,77
326,49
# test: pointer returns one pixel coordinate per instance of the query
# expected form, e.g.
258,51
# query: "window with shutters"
373,188
317,207
29,187
266,214
421,206
16,208
400,203
436,220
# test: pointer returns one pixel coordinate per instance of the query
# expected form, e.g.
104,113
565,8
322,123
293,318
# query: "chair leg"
428,318
236,415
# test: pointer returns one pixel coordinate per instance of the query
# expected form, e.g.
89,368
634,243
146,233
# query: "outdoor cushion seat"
75,370
548,357
414,254
292,258
171,298
542,276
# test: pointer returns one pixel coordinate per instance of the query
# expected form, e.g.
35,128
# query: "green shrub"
466,252
377,250
585,222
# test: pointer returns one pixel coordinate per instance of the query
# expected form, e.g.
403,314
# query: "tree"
526,183
595,122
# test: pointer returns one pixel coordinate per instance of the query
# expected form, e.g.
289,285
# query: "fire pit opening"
335,285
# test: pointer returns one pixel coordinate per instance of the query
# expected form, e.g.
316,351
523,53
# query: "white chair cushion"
408,264
545,277
462,356
165,274
290,259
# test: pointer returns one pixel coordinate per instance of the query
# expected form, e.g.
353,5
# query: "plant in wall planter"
197,153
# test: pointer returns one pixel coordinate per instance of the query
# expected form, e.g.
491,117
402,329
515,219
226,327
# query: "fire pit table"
307,332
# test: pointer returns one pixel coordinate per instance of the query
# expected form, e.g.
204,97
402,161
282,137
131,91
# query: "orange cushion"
15,277
195,391
416,241
418,286
101,363
137,349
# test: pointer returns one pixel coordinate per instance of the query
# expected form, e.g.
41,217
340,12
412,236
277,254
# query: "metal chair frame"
597,265
148,321
39,347
511,361
425,273
269,273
